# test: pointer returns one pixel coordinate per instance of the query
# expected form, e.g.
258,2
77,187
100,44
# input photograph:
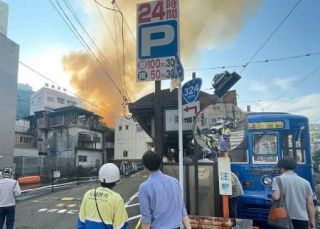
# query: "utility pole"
158,119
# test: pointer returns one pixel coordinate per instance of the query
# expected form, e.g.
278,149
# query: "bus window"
294,147
265,148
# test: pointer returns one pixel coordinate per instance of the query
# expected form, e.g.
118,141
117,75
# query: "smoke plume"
203,24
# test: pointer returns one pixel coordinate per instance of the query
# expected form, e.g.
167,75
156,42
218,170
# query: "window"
25,140
125,153
50,99
120,128
82,158
265,148
294,146
127,127
96,139
71,103
60,100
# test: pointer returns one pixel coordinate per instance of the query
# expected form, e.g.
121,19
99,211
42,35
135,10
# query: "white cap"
109,173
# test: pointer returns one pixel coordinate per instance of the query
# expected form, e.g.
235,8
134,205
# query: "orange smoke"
204,24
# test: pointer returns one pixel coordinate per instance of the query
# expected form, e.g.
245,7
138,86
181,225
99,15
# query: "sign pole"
180,139
158,120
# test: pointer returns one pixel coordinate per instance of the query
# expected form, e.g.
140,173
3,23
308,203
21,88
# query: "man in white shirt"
9,189
298,195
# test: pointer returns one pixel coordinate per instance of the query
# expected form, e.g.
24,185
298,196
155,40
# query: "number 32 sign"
191,90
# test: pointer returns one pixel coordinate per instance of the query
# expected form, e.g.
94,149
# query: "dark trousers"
300,224
234,206
7,214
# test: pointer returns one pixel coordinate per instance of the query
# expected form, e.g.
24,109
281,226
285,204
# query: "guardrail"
37,191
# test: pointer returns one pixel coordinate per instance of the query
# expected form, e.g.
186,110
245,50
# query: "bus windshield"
265,148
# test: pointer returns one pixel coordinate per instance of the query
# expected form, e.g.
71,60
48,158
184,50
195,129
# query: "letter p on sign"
158,40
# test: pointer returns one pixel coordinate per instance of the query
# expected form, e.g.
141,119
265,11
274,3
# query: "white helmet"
109,173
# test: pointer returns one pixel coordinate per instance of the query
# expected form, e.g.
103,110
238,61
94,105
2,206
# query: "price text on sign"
158,37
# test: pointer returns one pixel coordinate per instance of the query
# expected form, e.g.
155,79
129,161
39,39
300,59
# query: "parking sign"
158,40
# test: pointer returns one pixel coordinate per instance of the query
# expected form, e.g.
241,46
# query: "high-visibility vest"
111,208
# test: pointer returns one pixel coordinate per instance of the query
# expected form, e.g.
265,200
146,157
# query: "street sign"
56,174
224,170
191,90
158,40
191,109
172,121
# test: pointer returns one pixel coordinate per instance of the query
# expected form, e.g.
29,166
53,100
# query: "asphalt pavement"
59,209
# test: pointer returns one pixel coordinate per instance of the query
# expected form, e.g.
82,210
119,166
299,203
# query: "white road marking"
134,217
42,209
72,212
53,210
132,205
60,205
132,198
62,211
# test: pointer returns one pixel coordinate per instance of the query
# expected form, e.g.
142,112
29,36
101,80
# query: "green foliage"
317,189
316,178
316,160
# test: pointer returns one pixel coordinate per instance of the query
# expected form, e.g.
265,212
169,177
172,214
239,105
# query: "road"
59,210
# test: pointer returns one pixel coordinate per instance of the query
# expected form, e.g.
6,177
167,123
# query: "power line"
296,84
95,58
118,10
50,80
271,35
108,8
256,62
87,33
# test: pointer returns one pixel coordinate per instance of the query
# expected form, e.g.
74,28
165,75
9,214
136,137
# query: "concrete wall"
26,152
9,57
3,18
130,137
94,158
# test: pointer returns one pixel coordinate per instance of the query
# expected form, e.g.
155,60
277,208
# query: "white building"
3,18
131,141
9,59
50,99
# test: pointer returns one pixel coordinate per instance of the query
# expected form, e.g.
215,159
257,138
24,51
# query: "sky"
229,35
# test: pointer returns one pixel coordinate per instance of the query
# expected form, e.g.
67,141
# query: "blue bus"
269,137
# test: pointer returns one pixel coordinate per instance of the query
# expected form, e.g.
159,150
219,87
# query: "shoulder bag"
278,215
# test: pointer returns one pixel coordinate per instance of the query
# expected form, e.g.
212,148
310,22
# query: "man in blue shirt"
160,197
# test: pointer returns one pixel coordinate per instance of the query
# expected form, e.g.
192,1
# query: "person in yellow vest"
101,207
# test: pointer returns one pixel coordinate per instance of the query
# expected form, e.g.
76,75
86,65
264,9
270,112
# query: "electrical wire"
118,11
271,35
98,62
256,62
296,84
87,33
50,80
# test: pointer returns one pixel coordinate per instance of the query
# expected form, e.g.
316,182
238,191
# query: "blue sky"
44,38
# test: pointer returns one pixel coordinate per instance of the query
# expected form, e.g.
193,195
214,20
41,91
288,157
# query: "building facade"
3,18
51,98
24,93
131,141
9,59
63,139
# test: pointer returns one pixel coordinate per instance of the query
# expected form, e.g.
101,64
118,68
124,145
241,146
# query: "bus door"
265,147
